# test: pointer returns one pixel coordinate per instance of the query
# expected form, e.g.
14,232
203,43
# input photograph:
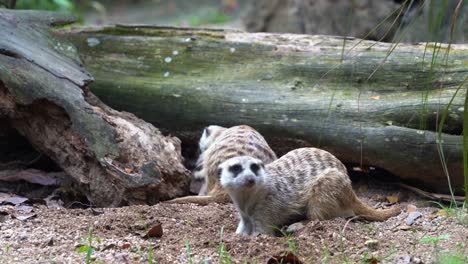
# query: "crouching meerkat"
217,145
306,183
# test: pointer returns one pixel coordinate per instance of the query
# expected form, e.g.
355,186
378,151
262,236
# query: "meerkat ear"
207,131
218,173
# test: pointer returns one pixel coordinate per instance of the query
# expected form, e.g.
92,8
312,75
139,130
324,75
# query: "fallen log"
364,101
113,157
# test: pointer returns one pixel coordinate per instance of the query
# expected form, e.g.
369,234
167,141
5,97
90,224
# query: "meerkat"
306,183
227,143
209,135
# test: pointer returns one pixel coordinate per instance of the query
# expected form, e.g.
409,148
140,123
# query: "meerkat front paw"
242,228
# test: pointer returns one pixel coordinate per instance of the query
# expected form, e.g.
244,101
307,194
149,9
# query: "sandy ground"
54,235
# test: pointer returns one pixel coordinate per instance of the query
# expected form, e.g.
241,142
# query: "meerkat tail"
363,210
200,199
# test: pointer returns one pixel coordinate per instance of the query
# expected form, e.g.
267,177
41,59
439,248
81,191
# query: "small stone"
412,217
93,42
407,259
371,243
295,227
206,261
417,261
23,236
121,257
49,242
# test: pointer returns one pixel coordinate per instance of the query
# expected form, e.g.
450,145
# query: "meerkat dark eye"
235,169
254,167
199,167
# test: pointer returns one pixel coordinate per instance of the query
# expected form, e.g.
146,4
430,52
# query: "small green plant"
460,213
451,258
292,247
87,245
325,255
7,248
189,254
150,247
435,242
139,252
224,257
343,251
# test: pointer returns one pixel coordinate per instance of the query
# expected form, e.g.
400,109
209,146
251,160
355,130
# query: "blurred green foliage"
67,6
214,17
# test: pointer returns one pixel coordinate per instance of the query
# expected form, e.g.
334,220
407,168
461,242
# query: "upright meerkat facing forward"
219,145
306,183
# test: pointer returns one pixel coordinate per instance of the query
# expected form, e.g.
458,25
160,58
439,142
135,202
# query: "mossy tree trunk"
344,95
113,157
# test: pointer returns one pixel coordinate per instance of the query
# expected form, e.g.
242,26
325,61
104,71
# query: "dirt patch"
54,235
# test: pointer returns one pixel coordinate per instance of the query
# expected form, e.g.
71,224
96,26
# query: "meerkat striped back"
291,172
305,162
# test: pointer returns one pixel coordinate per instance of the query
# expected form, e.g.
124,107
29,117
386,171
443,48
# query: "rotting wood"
114,157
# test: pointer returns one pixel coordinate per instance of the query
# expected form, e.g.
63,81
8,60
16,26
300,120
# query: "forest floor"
192,234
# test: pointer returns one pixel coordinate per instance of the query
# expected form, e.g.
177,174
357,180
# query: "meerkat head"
210,134
241,172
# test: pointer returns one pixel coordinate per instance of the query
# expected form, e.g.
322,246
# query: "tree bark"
348,96
113,157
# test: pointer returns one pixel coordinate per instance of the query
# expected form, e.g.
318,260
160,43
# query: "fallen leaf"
362,188
24,217
392,199
128,170
372,260
126,245
405,227
442,212
24,208
377,97
155,231
285,258
14,200
371,243
411,208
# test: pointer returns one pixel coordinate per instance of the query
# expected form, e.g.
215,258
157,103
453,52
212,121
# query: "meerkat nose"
250,182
